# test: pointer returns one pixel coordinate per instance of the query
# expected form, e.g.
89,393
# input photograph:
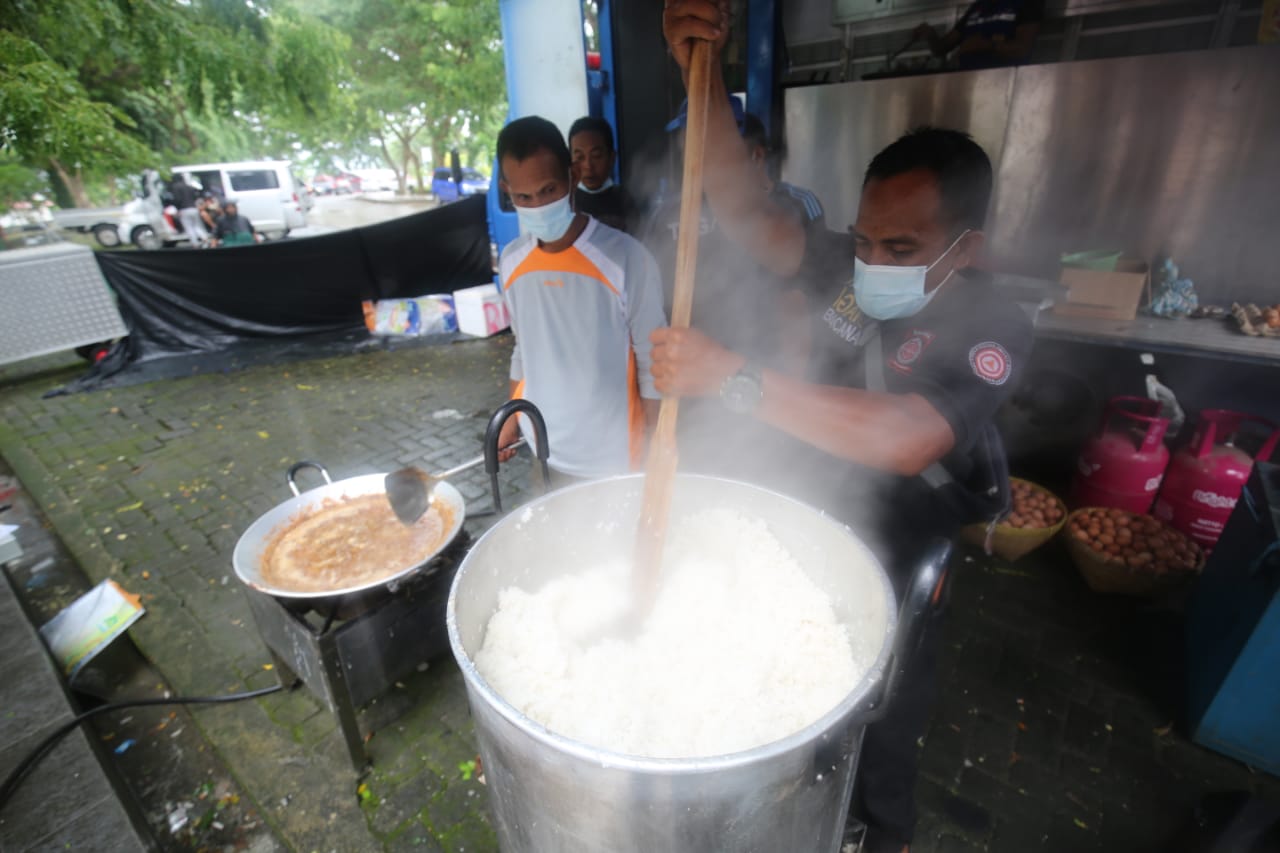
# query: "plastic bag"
1174,296
424,315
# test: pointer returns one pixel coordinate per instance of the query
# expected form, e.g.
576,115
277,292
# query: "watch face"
741,394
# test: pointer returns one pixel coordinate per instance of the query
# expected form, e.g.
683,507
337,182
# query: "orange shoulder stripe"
568,261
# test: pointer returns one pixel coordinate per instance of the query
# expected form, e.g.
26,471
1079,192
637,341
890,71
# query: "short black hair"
524,137
959,164
591,124
753,132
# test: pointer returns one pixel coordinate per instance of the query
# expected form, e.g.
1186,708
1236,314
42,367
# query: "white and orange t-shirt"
582,318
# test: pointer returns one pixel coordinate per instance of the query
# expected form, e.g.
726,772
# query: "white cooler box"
481,310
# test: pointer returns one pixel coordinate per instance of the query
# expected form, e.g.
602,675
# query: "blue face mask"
888,292
547,223
608,182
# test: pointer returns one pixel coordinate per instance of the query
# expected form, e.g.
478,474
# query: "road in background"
338,212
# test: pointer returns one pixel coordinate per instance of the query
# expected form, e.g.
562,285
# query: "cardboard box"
1104,295
481,310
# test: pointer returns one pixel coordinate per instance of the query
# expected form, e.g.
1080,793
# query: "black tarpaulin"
288,293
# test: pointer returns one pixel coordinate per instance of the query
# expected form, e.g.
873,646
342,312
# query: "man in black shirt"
738,302
592,154
911,356
233,228
184,198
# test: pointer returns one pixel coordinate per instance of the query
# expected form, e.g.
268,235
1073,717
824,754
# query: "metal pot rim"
244,556
843,713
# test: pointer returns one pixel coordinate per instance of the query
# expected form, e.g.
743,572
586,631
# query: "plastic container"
1094,259
1233,632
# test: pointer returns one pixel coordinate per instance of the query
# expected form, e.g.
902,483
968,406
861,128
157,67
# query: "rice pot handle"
925,599
292,474
491,433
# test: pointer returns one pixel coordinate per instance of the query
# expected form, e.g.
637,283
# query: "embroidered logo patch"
991,363
911,350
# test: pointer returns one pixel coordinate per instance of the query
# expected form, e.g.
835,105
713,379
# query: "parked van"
275,200
266,190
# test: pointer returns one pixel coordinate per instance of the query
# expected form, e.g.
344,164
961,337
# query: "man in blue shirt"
990,34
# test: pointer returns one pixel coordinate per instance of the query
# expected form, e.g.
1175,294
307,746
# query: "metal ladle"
409,489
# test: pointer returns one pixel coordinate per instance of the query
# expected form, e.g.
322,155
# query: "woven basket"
1011,542
1115,579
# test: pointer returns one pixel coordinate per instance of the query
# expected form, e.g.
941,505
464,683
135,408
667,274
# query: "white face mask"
887,292
547,223
608,182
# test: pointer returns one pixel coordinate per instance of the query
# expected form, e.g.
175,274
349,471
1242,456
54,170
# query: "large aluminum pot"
550,793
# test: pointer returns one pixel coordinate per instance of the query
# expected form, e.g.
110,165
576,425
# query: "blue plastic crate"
1233,632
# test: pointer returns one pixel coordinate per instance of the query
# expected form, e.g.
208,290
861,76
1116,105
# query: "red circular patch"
990,363
910,350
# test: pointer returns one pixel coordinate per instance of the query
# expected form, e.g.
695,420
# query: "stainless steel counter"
1217,339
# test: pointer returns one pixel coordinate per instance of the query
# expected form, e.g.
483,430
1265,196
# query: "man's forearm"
900,433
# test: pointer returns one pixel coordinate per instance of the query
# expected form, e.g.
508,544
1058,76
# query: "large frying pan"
247,557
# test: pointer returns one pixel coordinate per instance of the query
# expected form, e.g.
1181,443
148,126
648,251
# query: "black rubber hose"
14,779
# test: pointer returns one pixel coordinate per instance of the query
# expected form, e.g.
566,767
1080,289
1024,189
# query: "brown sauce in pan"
349,542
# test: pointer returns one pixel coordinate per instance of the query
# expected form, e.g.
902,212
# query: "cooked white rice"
741,648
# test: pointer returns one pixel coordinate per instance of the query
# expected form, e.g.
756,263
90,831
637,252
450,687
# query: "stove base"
345,662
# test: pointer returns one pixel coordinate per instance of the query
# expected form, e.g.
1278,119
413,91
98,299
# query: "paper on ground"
89,624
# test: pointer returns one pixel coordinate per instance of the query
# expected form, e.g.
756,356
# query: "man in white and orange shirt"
583,299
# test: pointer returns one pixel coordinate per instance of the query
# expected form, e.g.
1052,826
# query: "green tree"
18,182
425,74
133,81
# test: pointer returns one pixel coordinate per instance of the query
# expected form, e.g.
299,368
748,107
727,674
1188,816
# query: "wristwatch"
742,392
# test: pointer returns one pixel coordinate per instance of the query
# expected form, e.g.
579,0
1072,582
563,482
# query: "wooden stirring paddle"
660,470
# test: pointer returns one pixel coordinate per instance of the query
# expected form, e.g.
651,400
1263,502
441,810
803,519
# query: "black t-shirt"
736,300
184,195
611,206
228,225
963,353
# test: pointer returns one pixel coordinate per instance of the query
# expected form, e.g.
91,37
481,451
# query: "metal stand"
359,645
347,662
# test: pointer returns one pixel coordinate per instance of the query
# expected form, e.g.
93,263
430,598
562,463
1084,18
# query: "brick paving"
1053,726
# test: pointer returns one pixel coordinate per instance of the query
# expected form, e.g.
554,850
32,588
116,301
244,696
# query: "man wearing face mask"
593,156
911,357
584,299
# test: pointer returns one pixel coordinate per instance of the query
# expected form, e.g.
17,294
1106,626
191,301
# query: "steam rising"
753,312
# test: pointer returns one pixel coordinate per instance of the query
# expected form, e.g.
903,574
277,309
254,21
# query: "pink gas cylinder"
1121,466
1205,477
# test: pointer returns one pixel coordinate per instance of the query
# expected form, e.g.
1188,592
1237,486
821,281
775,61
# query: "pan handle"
292,474
491,433
926,597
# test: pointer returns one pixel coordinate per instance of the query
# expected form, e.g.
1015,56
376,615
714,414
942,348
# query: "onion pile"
1032,507
1136,541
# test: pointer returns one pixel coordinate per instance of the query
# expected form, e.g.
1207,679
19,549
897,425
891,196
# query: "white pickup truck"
102,222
